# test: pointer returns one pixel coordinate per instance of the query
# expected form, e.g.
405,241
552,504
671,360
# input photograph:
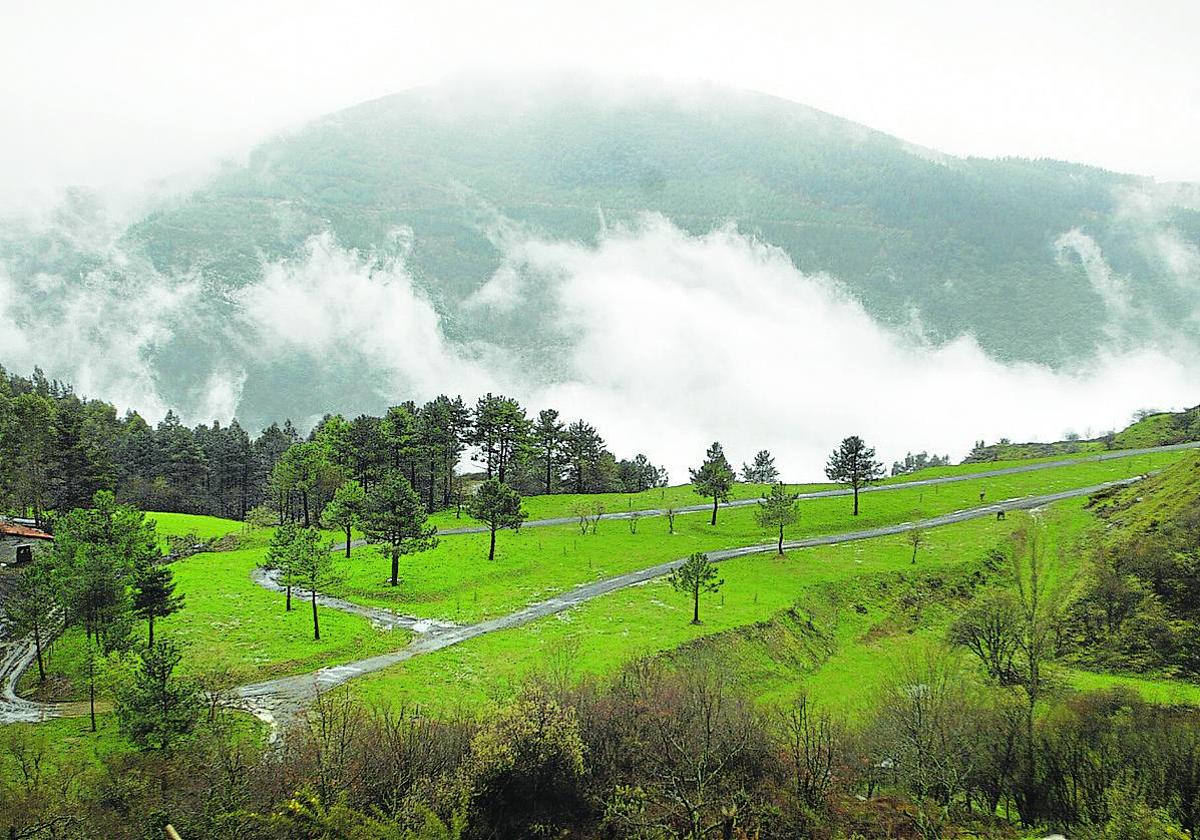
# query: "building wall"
8,548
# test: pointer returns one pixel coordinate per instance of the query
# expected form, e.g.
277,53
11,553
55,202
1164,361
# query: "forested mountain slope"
1039,260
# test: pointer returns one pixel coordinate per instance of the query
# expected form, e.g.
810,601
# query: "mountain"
1041,261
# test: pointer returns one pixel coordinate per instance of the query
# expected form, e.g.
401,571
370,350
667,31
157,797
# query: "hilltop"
1159,428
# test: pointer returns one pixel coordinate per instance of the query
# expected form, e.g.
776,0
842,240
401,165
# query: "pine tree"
777,511
31,607
345,511
762,470
154,595
280,554
311,569
548,434
499,506
159,708
715,478
694,576
583,449
853,463
395,519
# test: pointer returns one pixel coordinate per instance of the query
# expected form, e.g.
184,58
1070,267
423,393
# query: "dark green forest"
58,449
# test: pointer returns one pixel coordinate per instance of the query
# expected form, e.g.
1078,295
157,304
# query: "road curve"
840,491
278,699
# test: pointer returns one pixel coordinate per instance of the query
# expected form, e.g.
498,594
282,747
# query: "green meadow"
229,624
829,619
233,627
455,581
561,505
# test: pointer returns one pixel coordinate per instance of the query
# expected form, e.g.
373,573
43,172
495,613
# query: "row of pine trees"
58,449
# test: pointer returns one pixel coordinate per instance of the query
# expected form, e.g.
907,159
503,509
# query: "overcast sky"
111,94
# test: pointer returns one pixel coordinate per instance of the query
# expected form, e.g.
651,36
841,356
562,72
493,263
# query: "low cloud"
1111,287
337,307
93,332
685,339
667,340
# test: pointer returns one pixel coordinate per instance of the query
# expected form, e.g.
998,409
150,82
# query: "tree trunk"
432,483
316,626
304,498
347,540
492,548
395,568
696,607
714,516
288,608
780,540
150,621
549,466
856,500
92,690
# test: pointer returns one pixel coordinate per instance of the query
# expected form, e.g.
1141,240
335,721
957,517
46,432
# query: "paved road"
276,700
18,656
840,491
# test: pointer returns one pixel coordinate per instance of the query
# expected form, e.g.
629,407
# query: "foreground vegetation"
934,683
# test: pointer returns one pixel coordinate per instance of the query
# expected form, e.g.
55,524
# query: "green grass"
456,582
228,622
560,505
833,621
828,585
68,742
182,524
1155,690
1162,428
1161,498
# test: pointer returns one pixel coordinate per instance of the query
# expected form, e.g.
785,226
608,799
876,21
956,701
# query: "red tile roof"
9,529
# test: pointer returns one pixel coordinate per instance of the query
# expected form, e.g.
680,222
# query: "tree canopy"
714,478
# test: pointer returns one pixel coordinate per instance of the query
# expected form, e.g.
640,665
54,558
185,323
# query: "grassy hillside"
1153,505
835,622
456,582
776,617
232,626
1163,428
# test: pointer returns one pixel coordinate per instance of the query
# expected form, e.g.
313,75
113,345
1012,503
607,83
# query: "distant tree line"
914,462
58,449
